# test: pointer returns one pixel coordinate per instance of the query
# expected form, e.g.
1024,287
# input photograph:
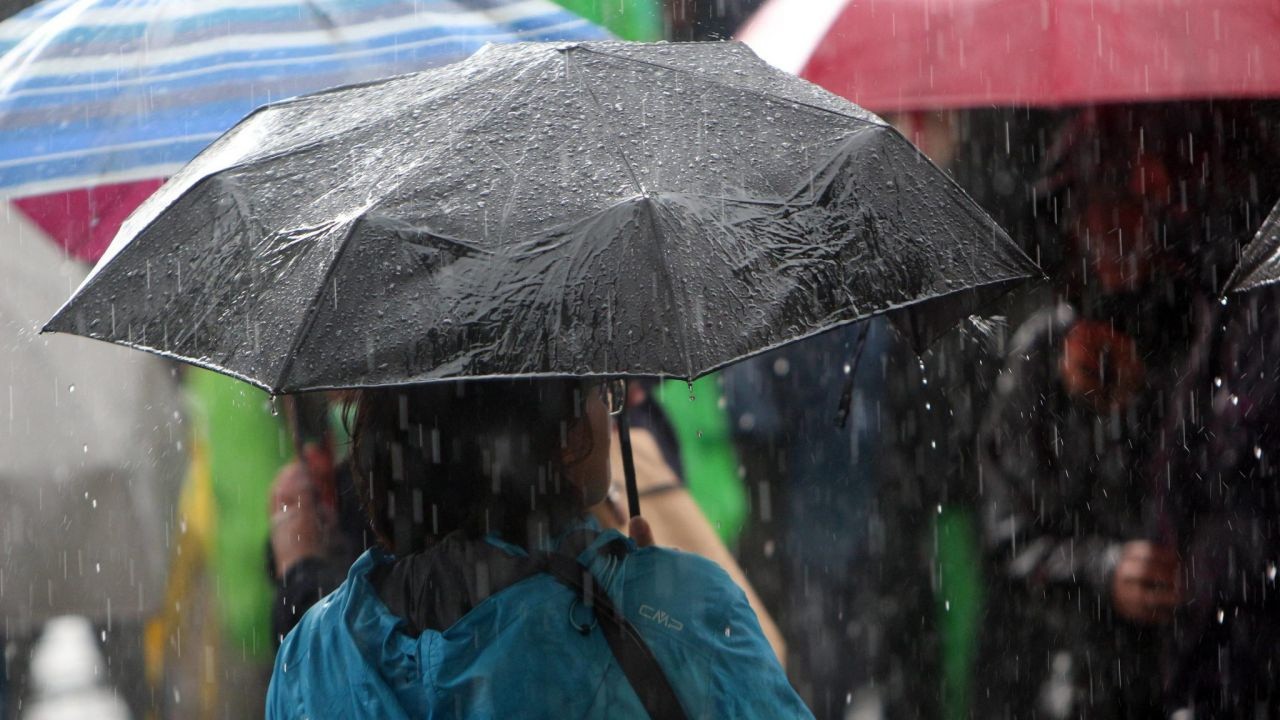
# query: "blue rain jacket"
517,655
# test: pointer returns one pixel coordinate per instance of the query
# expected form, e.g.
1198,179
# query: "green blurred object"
639,20
959,606
246,444
706,450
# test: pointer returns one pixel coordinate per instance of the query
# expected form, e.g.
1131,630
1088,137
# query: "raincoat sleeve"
750,683
1022,478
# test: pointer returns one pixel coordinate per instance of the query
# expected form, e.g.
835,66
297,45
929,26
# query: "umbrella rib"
749,91
659,243
631,171
1256,255
310,318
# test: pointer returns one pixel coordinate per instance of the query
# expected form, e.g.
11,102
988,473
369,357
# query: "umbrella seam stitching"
659,244
604,116
310,318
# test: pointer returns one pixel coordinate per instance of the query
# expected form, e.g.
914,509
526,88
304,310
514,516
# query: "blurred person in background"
813,481
1152,203
707,19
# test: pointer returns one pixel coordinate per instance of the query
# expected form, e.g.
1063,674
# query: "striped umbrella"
890,55
101,100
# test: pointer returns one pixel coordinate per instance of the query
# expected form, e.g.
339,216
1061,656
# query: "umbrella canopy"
539,209
924,54
1260,262
101,100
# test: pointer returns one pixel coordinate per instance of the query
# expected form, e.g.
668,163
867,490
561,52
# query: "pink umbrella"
890,55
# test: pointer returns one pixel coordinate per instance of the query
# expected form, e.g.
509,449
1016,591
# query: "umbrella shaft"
628,464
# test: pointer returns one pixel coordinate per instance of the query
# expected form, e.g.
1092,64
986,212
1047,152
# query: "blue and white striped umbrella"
100,100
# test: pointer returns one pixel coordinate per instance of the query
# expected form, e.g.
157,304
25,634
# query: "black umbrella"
1260,262
593,209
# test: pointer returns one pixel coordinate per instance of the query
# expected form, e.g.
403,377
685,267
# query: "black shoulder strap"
633,654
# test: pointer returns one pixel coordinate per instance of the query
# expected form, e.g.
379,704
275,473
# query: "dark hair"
477,456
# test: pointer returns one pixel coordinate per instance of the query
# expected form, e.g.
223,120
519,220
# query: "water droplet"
71,388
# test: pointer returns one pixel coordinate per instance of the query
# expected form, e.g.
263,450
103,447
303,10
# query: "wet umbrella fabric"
540,209
1260,262
910,55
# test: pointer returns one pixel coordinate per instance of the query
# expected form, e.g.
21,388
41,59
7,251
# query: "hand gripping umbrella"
1260,262
538,210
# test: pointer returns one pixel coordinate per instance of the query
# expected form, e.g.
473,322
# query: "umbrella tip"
565,47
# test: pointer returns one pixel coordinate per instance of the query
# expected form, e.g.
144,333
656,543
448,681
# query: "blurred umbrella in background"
102,100
913,54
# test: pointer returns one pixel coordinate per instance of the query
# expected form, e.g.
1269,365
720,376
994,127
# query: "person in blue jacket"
470,487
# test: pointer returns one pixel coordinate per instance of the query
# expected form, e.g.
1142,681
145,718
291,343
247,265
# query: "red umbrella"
891,55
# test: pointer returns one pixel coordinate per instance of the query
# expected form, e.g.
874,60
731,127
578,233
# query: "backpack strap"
629,648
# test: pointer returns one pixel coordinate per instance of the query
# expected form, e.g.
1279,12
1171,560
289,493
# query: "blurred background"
1058,510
